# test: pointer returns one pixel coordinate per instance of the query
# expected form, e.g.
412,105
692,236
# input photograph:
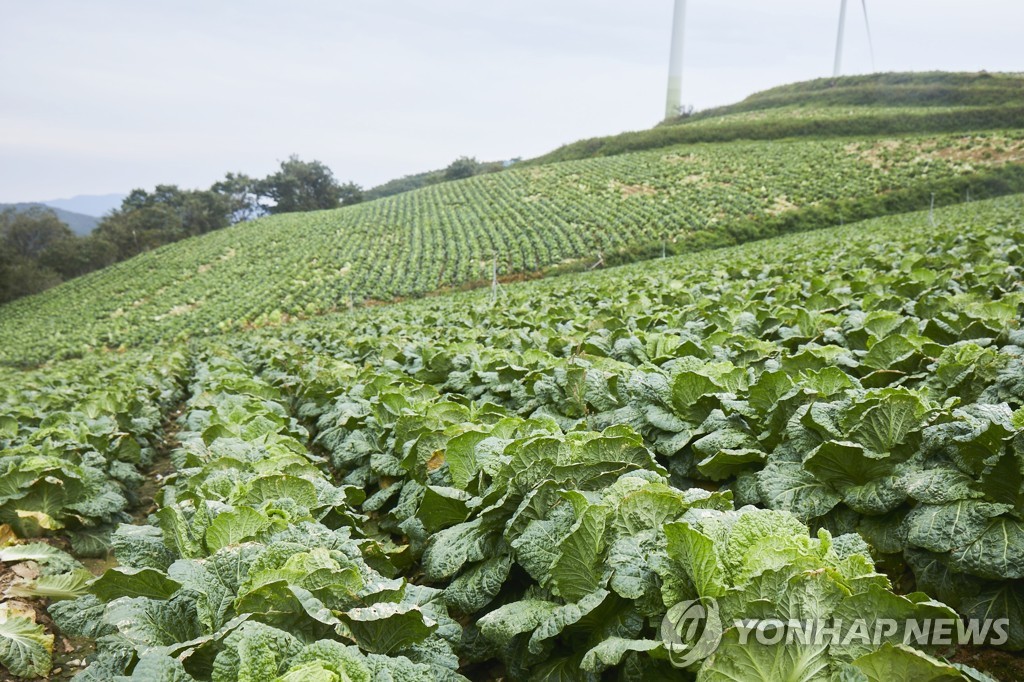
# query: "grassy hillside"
556,466
567,215
924,89
881,104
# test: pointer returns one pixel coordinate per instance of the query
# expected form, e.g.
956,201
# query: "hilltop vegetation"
928,89
876,105
459,169
483,488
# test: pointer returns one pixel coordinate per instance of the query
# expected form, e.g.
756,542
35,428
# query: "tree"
147,220
24,278
203,211
134,230
350,194
240,193
197,211
26,234
462,167
300,186
76,256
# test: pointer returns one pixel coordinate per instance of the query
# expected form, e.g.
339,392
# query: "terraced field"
522,483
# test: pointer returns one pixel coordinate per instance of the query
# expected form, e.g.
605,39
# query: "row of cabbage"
75,439
520,220
75,442
254,567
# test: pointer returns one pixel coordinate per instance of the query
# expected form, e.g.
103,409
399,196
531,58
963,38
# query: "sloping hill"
570,215
79,223
880,104
921,89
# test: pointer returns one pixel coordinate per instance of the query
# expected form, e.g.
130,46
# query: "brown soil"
1002,665
632,190
873,154
974,150
161,467
68,653
983,151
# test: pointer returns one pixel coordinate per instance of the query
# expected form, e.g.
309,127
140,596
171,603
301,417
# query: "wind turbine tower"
839,40
674,101
838,68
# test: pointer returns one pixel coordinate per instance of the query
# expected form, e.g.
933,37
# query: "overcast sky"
102,96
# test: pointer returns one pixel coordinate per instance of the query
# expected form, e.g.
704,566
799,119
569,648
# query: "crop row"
76,438
254,566
76,441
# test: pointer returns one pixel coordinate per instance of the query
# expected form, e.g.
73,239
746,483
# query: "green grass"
885,90
879,105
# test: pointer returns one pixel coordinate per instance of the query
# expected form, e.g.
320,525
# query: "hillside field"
327,447
568,215
397,470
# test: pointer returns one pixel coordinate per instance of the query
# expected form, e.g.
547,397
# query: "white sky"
100,96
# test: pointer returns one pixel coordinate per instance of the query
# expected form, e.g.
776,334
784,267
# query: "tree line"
38,251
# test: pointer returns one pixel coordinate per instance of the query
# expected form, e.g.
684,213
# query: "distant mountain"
97,205
79,223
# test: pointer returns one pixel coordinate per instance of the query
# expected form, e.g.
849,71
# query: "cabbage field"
520,221
521,483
